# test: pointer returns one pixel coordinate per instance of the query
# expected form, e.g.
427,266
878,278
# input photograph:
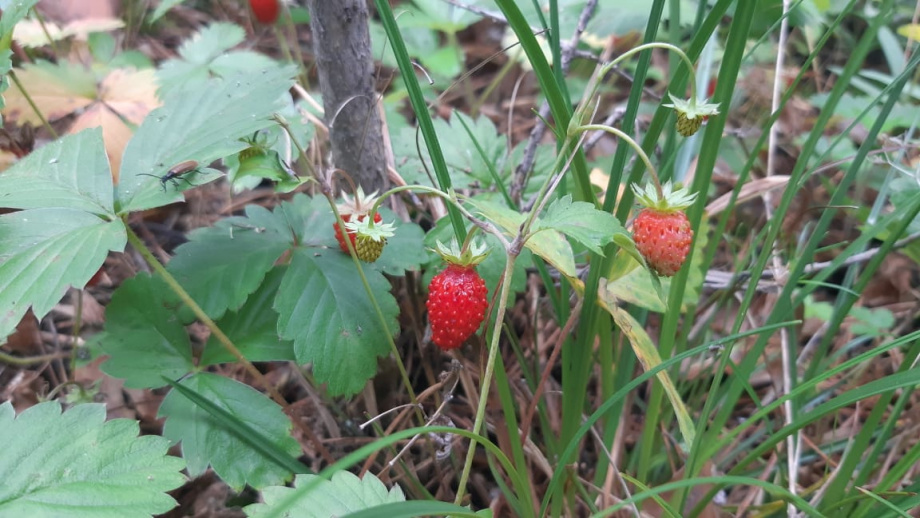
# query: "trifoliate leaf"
204,123
345,493
206,442
78,465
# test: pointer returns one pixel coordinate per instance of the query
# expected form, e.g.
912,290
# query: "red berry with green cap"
457,297
661,230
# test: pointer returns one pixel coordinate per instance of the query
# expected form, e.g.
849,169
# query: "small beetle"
176,173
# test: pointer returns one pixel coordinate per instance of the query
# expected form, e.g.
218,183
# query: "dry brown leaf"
115,133
56,91
749,191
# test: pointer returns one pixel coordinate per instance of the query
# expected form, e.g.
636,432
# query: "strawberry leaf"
549,244
206,441
253,329
79,465
221,265
145,335
45,251
201,123
71,172
325,310
582,222
208,54
327,497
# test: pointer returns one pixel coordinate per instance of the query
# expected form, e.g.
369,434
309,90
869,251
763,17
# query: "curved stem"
29,360
485,226
487,376
654,45
639,151
224,340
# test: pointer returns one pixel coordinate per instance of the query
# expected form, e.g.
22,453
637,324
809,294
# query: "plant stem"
487,376
485,226
632,143
224,340
28,97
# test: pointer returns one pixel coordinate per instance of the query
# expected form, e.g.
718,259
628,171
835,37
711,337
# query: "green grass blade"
417,99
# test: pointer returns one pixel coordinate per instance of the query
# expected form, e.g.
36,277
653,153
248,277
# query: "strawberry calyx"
367,228
691,109
670,200
470,256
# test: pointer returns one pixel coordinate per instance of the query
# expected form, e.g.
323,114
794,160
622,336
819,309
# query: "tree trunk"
342,46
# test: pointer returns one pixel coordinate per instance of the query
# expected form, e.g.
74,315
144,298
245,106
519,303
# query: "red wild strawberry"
661,230
358,207
266,11
457,297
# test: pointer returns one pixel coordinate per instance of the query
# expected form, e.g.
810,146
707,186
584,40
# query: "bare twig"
523,170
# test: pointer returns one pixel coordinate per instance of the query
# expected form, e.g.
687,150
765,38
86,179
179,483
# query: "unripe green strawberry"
688,127
370,238
661,230
457,297
691,115
354,210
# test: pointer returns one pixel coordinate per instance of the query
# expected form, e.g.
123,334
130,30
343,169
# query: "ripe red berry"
661,230
663,239
456,305
266,11
457,298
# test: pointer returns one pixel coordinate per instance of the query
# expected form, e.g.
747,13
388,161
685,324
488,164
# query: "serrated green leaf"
582,222
143,334
208,54
550,244
253,329
323,307
202,124
77,465
13,12
71,172
43,252
205,442
221,265
344,493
